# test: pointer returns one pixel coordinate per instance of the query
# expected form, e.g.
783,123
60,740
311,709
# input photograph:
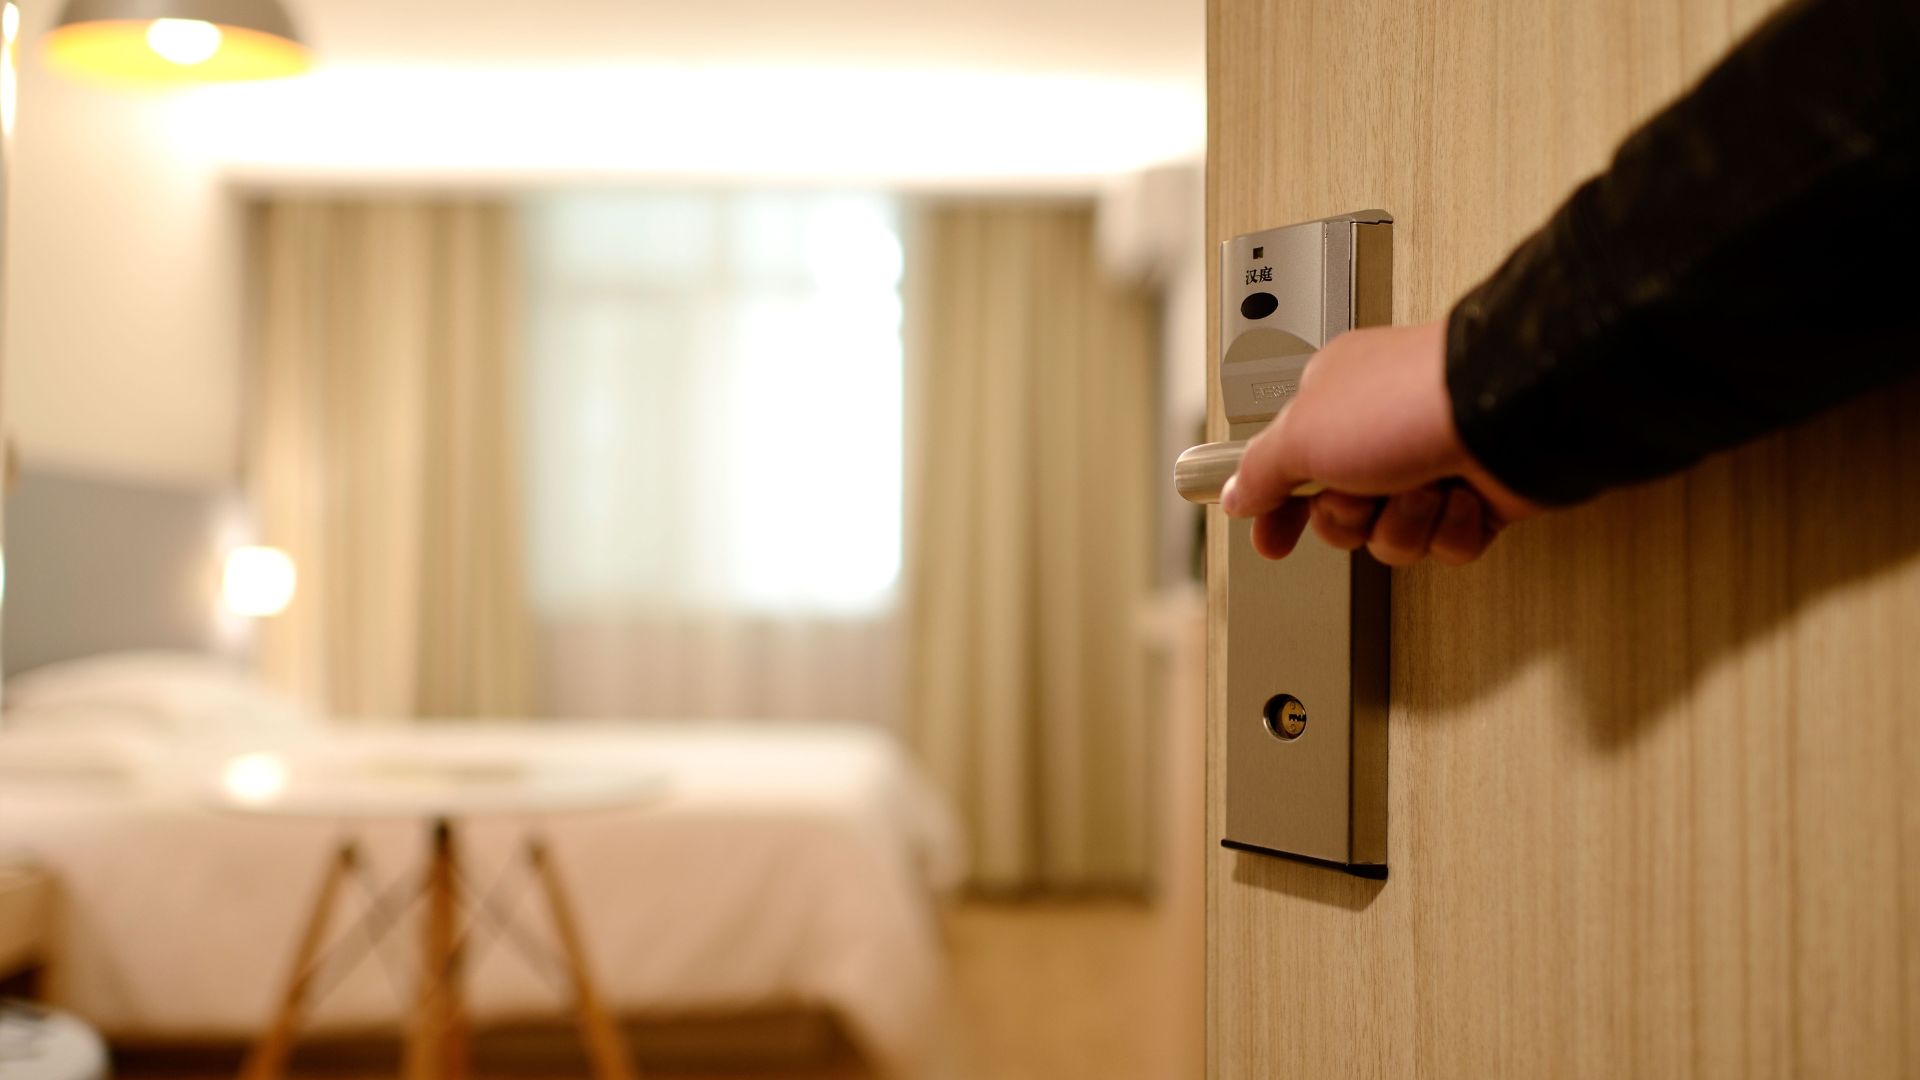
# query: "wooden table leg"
268,1059
605,1044
437,1042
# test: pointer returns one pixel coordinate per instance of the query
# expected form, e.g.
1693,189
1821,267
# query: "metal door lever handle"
1201,472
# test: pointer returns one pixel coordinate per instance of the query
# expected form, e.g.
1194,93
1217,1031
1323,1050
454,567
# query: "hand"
1373,422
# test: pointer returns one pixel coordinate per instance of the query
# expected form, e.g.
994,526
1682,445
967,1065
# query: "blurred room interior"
685,426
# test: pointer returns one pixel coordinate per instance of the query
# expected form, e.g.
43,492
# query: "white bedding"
786,865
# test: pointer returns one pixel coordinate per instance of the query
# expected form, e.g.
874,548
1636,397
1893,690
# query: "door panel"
1652,762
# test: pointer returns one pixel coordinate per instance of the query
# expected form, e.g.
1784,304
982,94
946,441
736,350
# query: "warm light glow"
259,581
254,778
176,51
556,125
184,41
9,68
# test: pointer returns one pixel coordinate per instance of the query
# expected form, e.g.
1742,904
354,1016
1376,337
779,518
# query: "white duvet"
783,865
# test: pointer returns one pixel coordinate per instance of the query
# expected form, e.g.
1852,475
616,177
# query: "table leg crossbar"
386,908
492,912
437,1035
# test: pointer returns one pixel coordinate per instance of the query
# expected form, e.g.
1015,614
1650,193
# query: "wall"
123,348
122,333
1651,761
1151,225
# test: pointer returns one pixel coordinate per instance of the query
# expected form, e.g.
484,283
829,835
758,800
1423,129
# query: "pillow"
91,756
161,693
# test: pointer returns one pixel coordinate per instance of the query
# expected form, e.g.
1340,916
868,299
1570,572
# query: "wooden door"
1655,764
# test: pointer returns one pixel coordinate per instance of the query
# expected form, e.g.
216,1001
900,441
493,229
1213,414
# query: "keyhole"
1285,716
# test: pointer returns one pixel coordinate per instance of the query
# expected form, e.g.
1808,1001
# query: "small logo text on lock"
1275,391
1285,717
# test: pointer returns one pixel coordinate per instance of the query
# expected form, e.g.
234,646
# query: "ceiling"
1017,94
1130,39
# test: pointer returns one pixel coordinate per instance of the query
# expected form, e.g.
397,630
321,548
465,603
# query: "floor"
1064,991
1061,990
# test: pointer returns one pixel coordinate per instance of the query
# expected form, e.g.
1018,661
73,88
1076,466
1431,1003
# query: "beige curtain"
1030,535
383,453
720,665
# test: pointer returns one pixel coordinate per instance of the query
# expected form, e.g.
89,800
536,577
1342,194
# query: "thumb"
1267,474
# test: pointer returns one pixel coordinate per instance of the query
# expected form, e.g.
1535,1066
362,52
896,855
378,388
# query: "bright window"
713,402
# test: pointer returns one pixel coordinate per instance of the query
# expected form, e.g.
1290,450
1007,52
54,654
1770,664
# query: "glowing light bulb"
184,41
259,581
254,778
10,24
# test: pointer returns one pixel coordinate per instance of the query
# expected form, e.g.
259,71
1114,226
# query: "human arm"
1732,271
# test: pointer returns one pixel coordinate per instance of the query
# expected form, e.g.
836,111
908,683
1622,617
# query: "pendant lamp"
175,41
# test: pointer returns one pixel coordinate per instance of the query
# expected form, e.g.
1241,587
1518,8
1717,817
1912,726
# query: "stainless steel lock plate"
1306,657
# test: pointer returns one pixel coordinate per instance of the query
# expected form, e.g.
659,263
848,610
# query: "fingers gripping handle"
1202,473
1259,374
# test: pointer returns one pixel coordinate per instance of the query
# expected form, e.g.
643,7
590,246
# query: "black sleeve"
1749,258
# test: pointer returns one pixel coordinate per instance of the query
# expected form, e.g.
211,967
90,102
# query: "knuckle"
1393,554
1282,436
1336,534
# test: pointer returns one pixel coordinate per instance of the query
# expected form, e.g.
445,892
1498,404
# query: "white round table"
440,787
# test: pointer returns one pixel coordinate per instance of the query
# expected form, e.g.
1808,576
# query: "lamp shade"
176,41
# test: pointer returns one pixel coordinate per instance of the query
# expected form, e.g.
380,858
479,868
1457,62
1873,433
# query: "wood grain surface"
1655,772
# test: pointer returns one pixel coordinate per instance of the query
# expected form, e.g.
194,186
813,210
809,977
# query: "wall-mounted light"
258,582
176,41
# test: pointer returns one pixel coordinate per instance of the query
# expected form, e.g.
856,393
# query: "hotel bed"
783,865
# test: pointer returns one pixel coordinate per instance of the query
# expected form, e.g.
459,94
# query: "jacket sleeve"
1748,258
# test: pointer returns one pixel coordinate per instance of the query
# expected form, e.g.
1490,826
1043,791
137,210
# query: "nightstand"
26,922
